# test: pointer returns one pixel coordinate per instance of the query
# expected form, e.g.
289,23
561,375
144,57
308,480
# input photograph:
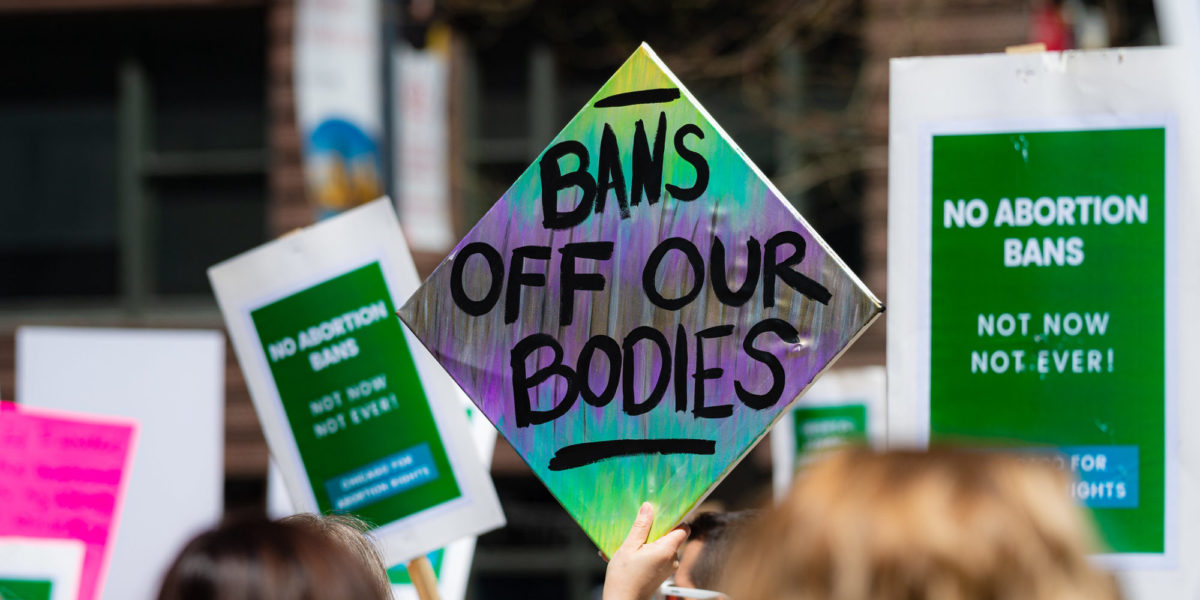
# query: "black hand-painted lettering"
650,272
611,350
630,405
697,161
719,276
572,281
648,166
681,363
609,175
578,455
651,96
517,277
718,411
772,268
522,383
553,180
787,333
458,290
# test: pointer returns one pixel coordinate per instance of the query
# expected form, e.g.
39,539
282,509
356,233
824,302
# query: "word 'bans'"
646,173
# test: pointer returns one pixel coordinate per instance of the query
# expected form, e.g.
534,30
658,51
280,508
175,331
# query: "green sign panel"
355,405
25,589
1047,310
824,427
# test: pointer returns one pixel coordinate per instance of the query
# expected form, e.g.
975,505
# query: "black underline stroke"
578,455
654,96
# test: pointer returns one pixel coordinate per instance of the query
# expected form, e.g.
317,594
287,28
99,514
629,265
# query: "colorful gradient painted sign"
639,308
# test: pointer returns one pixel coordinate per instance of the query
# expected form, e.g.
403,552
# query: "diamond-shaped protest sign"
639,307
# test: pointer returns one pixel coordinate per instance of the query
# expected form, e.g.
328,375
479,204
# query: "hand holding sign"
639,307
638,567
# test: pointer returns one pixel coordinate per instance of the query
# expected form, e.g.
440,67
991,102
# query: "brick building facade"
218,119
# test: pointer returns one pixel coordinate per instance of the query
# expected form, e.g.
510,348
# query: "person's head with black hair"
707,549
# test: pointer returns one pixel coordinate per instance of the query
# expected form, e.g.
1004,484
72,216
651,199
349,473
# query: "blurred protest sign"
172,382
422,148
40,569
64,476
339,108
451,564
597,318
1034,236
357,415
844,407
1179,26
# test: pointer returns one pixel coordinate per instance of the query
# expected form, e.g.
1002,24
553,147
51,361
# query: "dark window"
131,150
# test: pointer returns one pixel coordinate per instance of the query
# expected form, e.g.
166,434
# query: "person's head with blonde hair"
907,525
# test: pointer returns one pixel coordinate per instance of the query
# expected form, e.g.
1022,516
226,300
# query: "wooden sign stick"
420,570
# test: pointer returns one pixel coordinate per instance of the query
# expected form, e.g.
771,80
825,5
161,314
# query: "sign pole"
420,570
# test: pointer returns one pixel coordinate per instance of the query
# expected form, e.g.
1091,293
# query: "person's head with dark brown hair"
711,536
907,525
305,557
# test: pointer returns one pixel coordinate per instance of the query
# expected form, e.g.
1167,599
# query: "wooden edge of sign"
1033,48
420,571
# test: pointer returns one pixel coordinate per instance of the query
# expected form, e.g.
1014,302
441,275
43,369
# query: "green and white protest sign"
844,407
1033,249
451,564
358,417
40,568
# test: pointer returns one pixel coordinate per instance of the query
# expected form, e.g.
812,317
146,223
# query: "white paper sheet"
173,383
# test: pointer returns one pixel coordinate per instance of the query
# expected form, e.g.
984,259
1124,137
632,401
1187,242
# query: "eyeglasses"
671,590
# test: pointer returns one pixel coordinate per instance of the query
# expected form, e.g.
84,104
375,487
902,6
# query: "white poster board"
356,413
422,147
453,569
173,383
1179,26
40,561
843,406
339,102
936,101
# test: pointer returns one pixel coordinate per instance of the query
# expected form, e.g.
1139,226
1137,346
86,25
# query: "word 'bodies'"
638,309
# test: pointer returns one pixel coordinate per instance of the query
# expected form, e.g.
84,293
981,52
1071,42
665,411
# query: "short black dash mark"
578,455
655,96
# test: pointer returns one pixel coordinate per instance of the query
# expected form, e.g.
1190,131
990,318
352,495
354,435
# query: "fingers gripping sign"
638,567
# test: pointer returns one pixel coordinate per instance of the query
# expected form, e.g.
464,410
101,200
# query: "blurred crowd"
857,524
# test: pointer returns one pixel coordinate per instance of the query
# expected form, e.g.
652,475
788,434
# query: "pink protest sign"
63,475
